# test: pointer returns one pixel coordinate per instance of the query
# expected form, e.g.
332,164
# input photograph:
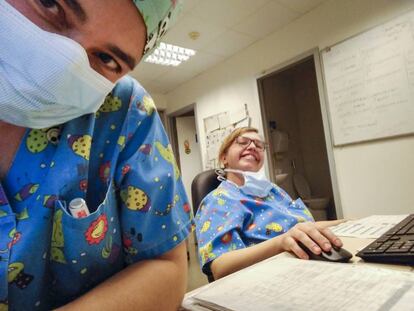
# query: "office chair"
203,184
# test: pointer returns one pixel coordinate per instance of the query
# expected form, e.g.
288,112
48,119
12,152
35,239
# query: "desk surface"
351,244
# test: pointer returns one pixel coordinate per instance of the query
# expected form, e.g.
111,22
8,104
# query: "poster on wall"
217,127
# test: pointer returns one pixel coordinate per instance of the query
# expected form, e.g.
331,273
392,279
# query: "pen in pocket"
78,208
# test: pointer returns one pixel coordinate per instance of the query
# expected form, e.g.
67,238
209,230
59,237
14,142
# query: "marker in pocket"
78,208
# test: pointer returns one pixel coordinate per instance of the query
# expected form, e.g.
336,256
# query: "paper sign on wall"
218,127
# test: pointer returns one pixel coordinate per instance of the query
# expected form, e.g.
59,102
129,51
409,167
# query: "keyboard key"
411,231
404,230
382,239
396,250
375,245
373,251
394,238
383,247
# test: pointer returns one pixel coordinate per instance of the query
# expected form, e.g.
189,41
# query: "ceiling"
226,27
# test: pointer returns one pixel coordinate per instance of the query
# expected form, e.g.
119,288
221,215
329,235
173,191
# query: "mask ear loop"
220,174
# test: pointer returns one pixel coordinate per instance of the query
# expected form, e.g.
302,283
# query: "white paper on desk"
299,285
371,227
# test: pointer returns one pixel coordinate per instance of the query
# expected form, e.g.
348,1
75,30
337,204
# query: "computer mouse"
337,254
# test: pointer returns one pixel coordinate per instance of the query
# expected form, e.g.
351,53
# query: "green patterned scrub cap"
159,16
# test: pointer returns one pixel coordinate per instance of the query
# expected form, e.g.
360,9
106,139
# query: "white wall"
160,101
374,177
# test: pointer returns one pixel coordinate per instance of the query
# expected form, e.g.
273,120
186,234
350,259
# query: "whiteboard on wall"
370,83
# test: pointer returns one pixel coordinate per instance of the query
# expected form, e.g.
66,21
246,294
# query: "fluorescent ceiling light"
169,55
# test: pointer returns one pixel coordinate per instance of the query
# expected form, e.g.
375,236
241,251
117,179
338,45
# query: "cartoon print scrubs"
120,162
228,220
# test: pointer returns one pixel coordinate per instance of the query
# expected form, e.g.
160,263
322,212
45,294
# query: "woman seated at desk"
247,218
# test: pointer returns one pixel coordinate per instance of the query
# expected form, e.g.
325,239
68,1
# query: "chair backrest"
203,184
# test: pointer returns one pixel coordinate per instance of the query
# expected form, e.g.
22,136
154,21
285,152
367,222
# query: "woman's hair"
228,141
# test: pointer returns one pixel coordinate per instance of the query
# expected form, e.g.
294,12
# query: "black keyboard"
394,246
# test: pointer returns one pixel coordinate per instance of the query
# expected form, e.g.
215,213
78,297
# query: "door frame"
172,128
315,54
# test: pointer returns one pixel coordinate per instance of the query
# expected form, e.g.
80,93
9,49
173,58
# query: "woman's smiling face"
113,33
243,154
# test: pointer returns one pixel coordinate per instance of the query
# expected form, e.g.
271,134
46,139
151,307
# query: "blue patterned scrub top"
119,160
228,220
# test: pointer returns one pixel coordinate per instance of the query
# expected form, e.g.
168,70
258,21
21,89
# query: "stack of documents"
299,285
371,227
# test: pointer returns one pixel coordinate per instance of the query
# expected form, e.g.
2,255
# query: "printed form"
371,227
295,285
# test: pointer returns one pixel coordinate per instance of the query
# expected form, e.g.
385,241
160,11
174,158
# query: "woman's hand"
316,237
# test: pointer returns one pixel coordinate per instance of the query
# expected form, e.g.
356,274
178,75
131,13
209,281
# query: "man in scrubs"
74,127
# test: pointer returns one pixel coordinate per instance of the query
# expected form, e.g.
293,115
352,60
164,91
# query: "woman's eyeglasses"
245,142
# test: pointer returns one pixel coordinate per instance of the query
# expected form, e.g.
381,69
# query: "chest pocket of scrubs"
85,251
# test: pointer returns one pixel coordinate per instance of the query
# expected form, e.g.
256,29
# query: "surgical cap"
158,15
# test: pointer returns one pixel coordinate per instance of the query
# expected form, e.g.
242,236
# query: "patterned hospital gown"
119,160
228,220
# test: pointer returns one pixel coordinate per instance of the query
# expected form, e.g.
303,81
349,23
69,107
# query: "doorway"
299,160
185,144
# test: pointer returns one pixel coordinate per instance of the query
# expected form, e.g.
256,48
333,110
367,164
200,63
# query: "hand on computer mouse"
314,237
336,254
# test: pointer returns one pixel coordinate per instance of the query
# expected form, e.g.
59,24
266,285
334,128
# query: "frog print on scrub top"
138,207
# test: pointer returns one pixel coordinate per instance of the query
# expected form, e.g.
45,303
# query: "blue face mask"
255,183
45,78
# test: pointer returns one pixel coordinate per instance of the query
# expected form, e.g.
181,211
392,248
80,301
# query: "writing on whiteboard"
369,80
